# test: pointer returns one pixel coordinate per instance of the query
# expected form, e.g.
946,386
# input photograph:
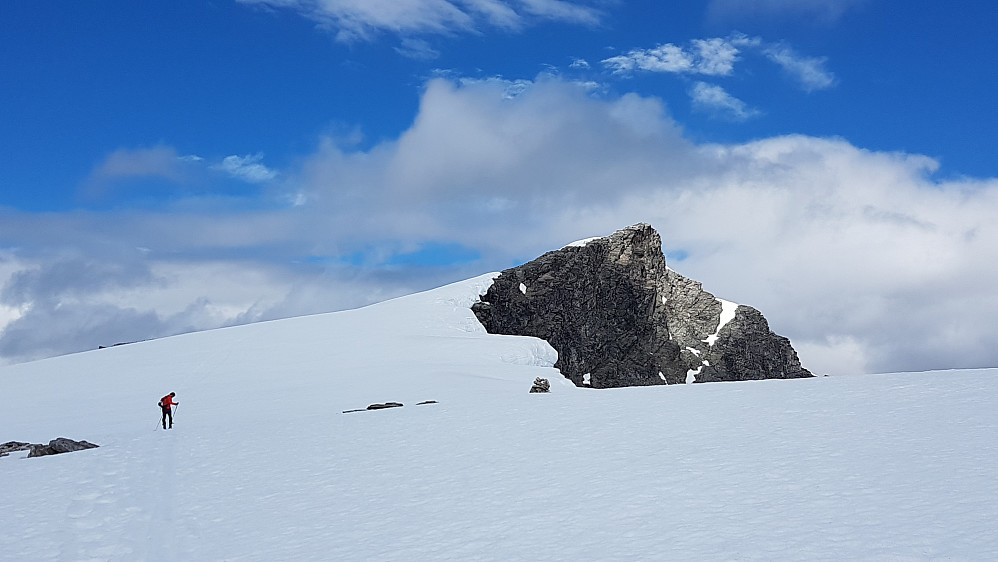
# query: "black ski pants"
167,413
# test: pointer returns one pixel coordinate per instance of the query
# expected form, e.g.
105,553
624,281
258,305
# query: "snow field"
262,464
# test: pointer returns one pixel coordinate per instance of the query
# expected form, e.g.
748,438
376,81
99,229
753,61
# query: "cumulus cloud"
716,101
363,20
863,258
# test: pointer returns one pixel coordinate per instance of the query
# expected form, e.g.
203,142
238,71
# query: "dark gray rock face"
617,316
12,447
59,446
385,405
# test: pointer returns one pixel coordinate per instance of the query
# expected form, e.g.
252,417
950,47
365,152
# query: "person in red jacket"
165,404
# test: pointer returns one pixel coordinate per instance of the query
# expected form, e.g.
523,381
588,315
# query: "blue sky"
225,78
187,165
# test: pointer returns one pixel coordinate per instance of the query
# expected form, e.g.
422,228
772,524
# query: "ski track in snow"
262,465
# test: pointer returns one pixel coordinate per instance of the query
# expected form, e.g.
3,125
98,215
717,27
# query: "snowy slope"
262,464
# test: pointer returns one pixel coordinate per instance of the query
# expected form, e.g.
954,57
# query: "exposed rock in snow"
385,405
381,406
541,385
55,447
13,447
617,316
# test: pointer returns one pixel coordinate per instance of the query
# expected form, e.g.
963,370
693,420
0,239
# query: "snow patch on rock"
728,309
582,243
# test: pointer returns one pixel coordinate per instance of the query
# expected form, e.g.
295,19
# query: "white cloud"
363,20
718,56
809,71
716,101
495,12
712,57
862,258
247,168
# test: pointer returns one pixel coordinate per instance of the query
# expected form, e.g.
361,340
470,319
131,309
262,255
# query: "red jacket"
167,401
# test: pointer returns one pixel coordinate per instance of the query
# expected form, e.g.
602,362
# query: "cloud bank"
863,258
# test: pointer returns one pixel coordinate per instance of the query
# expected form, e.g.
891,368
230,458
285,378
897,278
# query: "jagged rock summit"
617,316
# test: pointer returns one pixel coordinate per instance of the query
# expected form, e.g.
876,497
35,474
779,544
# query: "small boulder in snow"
385,405
541,385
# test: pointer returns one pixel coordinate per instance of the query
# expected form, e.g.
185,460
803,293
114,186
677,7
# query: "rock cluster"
384,405
55,447
617,316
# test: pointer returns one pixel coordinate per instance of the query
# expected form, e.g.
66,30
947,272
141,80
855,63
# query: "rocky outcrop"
55,447
59,446
617,316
